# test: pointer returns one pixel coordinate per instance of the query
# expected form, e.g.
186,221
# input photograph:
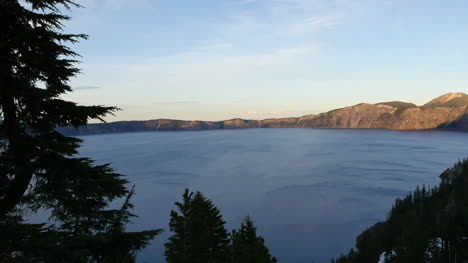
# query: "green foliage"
199,233
429,225
247,247
38,170
199,236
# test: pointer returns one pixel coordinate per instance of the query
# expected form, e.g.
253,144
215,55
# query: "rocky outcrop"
447,112
358,116
448,100
379,116
280,123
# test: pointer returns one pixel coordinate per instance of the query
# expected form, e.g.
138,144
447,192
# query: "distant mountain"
398,104
448,100
179,125
447,112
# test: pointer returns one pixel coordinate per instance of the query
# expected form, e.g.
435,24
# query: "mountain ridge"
449,100
446,112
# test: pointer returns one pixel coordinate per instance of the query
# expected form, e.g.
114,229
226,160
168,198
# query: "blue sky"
213,60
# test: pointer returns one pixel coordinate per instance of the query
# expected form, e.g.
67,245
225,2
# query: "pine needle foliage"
429,225
39,170
247,247
199,235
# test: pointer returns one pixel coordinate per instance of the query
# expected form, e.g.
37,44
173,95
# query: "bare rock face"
428,118
448,100
379,116
358,116
302,121
279,123
241,124
447,112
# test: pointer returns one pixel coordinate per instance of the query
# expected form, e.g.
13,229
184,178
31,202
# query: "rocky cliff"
448,100
447,112
380,116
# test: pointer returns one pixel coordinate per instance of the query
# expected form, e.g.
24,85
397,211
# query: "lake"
309,191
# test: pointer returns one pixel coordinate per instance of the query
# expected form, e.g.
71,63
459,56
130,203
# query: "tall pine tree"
38,165
198,230
247,247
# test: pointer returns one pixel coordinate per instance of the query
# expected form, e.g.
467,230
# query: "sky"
255,59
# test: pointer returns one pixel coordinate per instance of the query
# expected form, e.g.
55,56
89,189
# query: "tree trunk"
18,146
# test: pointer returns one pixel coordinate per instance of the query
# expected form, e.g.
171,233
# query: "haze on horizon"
255,59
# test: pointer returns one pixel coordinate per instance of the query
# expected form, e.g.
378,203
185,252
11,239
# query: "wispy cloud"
187,71
86,88
98,4
260,48
124,3
176,102
287,18
270,114
242,2
370,72
94,11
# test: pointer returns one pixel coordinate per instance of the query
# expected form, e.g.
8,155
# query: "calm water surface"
309,191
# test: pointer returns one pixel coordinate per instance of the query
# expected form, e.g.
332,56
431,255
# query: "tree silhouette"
247,247
198,230
38,165
429,225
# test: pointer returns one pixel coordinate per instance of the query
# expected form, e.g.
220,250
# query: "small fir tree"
247,247
198,230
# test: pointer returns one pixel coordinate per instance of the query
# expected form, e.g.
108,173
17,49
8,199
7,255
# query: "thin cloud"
176,102
321,22
118,4
86,88
286,19
271,114
242,2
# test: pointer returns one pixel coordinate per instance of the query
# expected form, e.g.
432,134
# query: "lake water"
309,191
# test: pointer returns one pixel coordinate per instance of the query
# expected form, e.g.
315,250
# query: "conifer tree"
198,230
430,225
38,165
247,247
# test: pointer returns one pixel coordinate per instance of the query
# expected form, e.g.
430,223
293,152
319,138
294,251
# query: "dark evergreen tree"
430,225
198,230
38,165
247,247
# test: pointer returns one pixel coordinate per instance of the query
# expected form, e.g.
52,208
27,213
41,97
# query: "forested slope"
429,225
